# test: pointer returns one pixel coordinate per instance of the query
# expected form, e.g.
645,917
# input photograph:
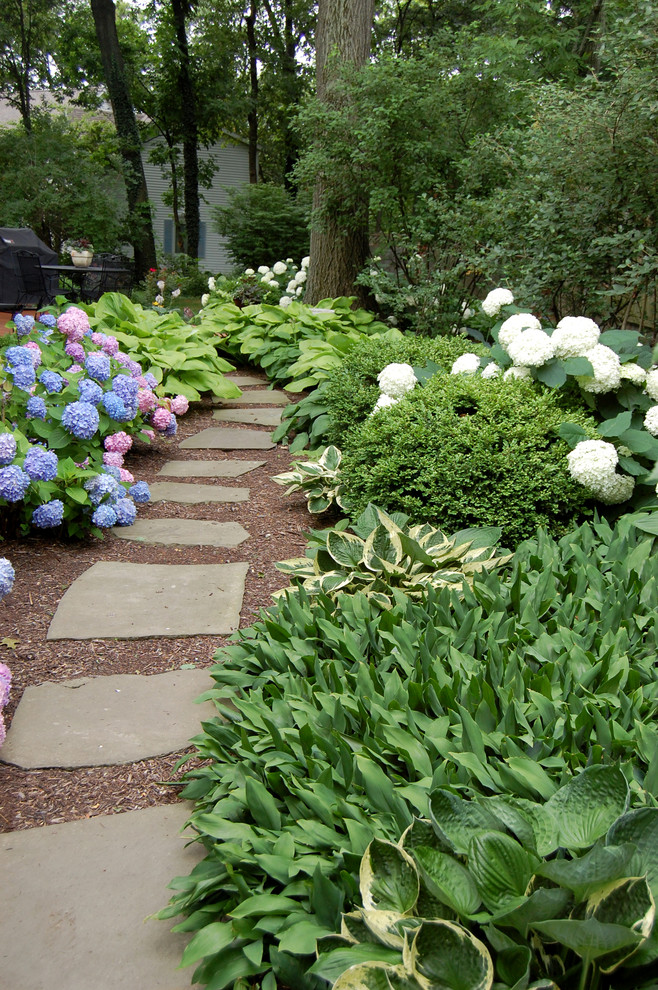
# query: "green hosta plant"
319,480
505,892
305,423
384,553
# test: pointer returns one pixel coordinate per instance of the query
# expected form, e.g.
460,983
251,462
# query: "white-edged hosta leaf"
641,828
447,880
585,807
383,545
353,926
333,964
501,868
388,878
445,956
365,976
628,902
386,927
345,548
330,458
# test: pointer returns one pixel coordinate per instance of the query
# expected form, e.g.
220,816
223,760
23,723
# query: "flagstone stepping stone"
173,491
75,896
266,397
130,601
259,417
241,380
208,469
184,532
102,721
225,438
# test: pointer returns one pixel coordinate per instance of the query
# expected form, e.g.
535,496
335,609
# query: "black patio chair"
34,291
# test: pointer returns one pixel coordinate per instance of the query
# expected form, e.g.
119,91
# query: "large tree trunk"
339,248
124,118
187,92
252,118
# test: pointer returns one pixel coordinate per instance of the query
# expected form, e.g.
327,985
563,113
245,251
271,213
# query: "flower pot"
82,259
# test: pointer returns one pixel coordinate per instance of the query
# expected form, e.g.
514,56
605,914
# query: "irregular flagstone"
102,721
75,898
266,397
172,491
184,532
130,601
241,380
208,469
224,438
260,417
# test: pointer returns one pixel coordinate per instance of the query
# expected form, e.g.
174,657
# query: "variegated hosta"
384,553
553,896
319,481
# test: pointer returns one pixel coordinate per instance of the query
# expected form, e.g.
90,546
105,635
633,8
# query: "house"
228,156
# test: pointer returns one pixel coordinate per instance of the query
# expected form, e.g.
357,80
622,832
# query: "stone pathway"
75,896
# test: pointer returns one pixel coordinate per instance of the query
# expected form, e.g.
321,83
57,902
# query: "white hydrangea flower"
591,461
249,271
384,402
160,284
531,348
291,286
159,299
301,276
306,262
284,301
607,370
513,326
263,269
467,364
491,371
268,280
396,380
632,372
289,261
211,284
574,336
279,268
205,299
651,421
651,385
496,299
175,293
517,372
467,312
615,489
298,290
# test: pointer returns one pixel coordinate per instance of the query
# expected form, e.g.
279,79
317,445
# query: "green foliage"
383,554
263,221
337,719
318,479
507,889
467,451
307,421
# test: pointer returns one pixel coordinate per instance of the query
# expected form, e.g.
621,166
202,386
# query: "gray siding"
231,169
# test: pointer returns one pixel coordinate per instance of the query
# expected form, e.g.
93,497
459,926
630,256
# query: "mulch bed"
46,566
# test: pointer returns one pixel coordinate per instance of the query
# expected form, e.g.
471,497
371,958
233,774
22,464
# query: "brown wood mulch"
46,566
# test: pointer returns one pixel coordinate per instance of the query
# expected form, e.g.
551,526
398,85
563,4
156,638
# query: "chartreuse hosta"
504,893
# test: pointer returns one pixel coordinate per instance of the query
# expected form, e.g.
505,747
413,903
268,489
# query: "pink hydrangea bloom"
110,345
179,405
75,350
145,400
118,442
113,458
84,464
36,352
5,684
97,338
3,731
149,433
75,369
122,358
161,418
73,323
126,475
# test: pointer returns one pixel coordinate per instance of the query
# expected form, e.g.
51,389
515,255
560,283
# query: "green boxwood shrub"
262,224
467,451
352,390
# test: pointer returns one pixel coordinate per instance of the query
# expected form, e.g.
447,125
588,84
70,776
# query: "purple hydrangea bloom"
80,419
125,387
102,485
114,407
90,391
24,376
104,516
51,381
14,482
5,672
75,350
98,366
126,512
36,408
134,368
41,464
49,515
171,428
140,492
7,448
24,324
16,356
113,471
7,575
150,378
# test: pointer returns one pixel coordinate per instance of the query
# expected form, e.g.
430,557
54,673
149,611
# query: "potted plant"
82,252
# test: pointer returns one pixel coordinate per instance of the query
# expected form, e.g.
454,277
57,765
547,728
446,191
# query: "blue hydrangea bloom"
126,512
36,407
16,356
48,515
113,471
104,516
80,419
7,575
151,379
24,324
24,376
114,407
90,391
7,448
14,482
51,381
48,320
140,492
102,485
172,427
98,366
125,387
41,464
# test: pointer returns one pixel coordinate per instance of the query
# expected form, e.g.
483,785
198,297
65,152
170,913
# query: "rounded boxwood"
466,451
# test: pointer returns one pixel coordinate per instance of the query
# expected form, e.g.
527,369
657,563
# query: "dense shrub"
352,390
467,451
263,222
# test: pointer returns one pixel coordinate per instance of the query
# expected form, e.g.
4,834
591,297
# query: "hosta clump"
384,553
559,894
319,480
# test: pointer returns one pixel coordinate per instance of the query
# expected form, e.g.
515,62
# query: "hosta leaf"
345,548
641,828
421,833
544,904
261,804
447,880
301,938
331,965
384,545
386,927
457,821
585,807
388,878
365,976
628,903
588,939
210,939
330,459
501,868
446,956
593,871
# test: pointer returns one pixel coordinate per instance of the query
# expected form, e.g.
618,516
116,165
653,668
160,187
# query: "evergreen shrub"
262,224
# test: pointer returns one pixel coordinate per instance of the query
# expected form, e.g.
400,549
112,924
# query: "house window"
168,239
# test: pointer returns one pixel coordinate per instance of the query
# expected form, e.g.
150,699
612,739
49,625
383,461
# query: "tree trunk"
130,145
339,249
181,9
252,117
